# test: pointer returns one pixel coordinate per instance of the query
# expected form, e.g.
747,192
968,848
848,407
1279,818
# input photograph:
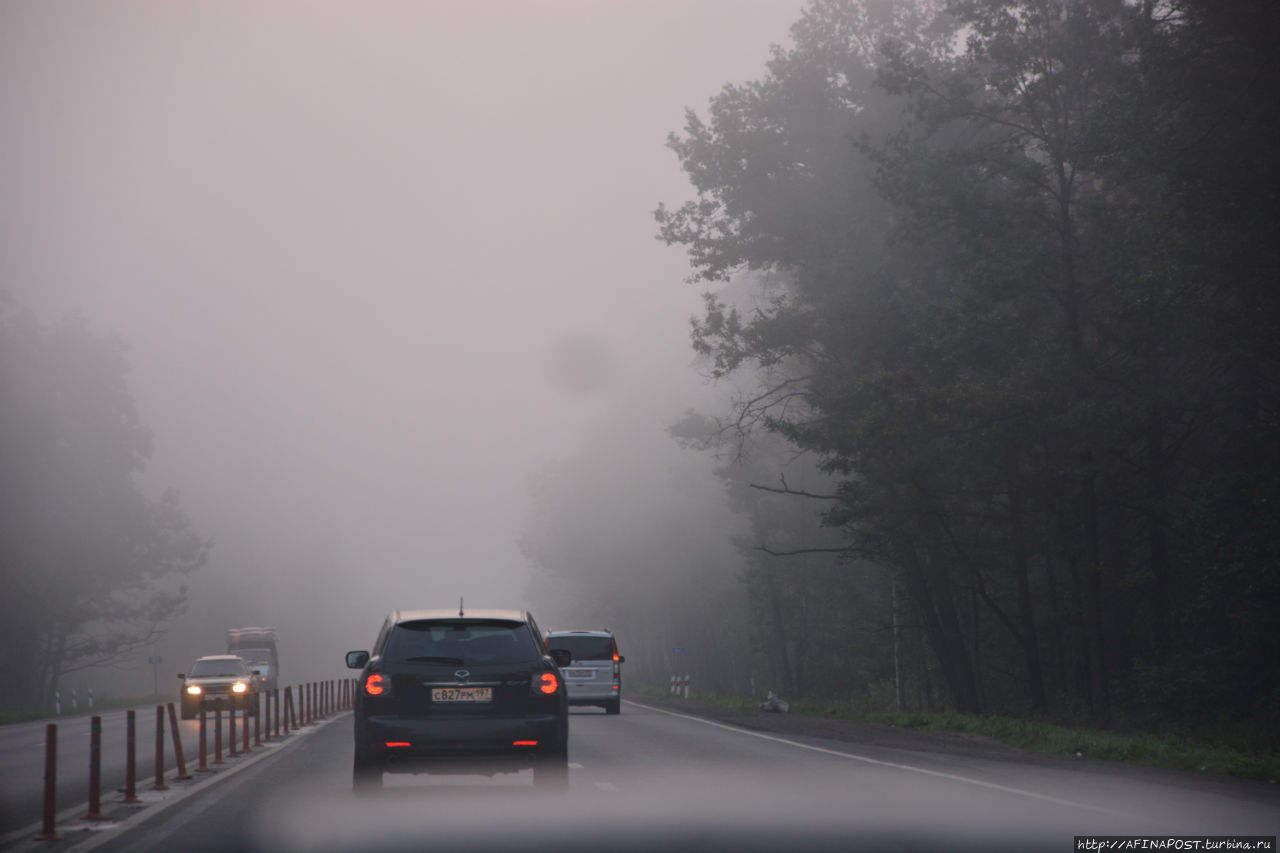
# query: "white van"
594,674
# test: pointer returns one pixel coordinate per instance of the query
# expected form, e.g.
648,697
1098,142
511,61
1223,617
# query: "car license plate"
461,694
580,673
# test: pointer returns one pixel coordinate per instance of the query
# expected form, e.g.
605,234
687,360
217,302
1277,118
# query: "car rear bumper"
591,695
414,745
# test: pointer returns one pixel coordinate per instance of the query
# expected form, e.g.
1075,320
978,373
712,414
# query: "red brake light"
547,683
377,684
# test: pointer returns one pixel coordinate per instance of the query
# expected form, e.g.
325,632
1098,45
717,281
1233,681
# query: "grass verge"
1174,752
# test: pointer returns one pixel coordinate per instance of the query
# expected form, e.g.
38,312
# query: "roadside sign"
677,650
154,659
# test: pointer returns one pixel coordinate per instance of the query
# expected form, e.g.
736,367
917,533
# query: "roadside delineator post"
131,758
183,775
204,746
217,736
257,724
95,770
160,785
288,704
276,707
231,732
244,720
47,832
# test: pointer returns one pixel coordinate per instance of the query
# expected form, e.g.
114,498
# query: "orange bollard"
160,785
244,720
204,747
183,775
130,759
231,732
257,737
95,770
217,736
47,832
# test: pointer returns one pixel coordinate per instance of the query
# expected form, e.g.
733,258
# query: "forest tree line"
93,568
1002,276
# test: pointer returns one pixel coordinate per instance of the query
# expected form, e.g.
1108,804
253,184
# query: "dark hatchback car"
448,692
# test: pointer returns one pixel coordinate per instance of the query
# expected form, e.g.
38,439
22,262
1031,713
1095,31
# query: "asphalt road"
658,778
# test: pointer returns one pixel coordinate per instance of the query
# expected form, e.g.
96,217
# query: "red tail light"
546,683
377,684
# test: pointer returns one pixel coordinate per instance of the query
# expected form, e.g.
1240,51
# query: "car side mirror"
182,675
257,672
356,660
622,658
562,657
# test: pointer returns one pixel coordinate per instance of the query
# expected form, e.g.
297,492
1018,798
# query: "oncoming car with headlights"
218,683
455,692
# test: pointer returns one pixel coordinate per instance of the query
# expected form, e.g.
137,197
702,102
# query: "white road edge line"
907,767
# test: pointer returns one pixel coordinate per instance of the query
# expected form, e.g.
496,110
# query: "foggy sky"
376,262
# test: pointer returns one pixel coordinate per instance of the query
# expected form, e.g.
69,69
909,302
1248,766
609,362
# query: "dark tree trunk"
932,592
1022,577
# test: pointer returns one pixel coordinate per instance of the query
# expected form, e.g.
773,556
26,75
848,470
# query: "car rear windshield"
458,642
213,668
584,646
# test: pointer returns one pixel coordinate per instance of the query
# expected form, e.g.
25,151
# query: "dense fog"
374,267
910,357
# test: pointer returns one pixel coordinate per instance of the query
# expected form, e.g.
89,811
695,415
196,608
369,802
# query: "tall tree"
93,568
1025,314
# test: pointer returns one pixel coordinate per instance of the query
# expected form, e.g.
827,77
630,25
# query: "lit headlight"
194,689
239,687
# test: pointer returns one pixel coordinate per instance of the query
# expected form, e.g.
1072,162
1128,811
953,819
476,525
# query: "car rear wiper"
436,659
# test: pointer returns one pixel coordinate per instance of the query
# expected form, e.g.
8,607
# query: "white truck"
258,648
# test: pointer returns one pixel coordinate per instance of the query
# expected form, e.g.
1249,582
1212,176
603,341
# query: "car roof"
467,613
600,632
220,657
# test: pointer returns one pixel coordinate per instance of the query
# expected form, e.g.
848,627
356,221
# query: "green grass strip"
1172,752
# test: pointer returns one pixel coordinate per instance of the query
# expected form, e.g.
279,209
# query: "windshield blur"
911,361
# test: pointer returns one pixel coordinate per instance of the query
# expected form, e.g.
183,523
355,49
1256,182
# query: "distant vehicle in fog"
218,683
594,673
258,648
448,692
